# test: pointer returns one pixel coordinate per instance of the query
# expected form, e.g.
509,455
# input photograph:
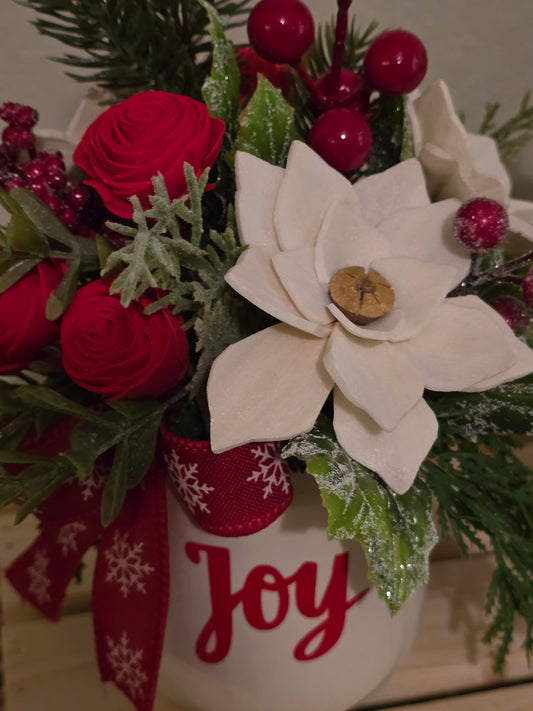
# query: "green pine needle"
514,134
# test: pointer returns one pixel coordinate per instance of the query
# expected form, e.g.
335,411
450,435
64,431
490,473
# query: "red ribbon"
231,494
131,580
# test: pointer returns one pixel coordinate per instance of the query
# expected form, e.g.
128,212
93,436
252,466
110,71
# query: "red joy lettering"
214,641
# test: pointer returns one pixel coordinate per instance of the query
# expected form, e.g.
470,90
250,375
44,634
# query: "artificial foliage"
513,134
181,249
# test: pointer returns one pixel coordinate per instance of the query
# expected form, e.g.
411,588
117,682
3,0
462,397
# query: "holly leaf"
221,89
267,129
396,532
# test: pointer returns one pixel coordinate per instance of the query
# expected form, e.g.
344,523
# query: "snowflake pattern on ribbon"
88,487
185,477
272,469
125,565
127,665
67,535
39,579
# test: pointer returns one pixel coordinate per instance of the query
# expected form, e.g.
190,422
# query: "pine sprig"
481,486
136,45
514,134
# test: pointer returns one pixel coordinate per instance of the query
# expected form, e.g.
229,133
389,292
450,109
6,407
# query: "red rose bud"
122,353
149,133
24,328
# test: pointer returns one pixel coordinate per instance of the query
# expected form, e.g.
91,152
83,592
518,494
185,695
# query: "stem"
501,273
337,59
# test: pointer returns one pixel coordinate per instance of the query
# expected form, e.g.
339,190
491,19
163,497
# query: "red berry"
67,216
39,186
26,117
342,138
53,162
348,95
395,63
281,31
53,202
18,138
8,111
513,310
527,287
32,170
14,181
56,180
480,223
78,197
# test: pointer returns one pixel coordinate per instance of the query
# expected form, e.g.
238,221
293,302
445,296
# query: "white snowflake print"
189,488
272,470
66,537
39,580
94,483
125,565
127,665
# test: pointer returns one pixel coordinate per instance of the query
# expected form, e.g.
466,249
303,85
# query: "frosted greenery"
220,90
267,128
396,532
171,250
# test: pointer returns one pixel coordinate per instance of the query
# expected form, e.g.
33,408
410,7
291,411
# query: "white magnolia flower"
460,164
301,226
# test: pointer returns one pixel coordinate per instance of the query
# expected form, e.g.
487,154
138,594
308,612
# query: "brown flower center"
361,296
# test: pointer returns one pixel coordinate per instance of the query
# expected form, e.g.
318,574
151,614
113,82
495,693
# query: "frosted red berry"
513,310
395,63
67,216
18,138
349,93
480,224
527,287
14,181
342,137
25,117
56,179
281,31
8,111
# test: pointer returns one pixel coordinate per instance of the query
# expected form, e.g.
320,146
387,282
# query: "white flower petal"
399,187
522,227
522,209
254,278
382,329
419,287
296,270
461,346
522,366
426,233
438,122
373,376
309,187
396,456
267,387
487,163
258,183
346,240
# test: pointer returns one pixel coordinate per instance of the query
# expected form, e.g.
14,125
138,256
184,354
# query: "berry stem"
501,273
338,49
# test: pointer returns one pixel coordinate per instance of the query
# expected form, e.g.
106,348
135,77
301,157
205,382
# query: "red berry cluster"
21,166
281,31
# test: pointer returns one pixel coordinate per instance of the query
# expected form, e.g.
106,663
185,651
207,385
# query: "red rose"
251,64
149,133
24,328
122,353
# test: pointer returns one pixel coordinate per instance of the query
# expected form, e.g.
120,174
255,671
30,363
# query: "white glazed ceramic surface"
259,672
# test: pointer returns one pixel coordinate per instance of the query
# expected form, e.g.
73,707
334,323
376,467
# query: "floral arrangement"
280,244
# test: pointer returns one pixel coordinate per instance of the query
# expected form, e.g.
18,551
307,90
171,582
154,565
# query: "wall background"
482,48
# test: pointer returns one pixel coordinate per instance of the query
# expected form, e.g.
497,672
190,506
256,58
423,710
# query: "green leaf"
61,298
42,217
83,461
42,396
116,486
396,532
14,268
221,88
134,409
389,134
142,447
267,129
